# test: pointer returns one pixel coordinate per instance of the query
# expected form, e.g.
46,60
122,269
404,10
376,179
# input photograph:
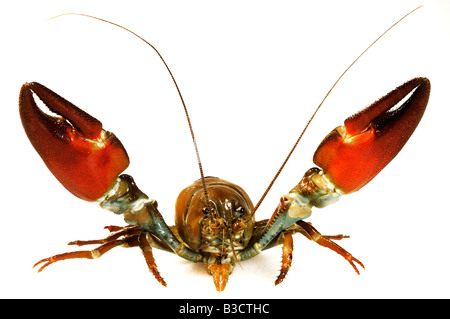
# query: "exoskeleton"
215,219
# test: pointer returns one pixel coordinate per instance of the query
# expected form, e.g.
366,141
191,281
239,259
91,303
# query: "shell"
225,198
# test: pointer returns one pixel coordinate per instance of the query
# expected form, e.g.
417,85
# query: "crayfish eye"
240,211
208,211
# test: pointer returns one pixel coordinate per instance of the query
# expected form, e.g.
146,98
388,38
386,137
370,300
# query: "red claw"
82,156
353,154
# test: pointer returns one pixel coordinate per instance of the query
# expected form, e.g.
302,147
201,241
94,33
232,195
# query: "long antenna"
318,107
174,82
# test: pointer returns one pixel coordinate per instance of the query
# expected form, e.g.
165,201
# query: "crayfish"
215,219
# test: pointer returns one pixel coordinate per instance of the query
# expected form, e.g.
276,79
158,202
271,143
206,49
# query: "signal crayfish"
215,219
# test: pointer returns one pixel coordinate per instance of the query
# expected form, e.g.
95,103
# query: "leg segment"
286,261
311,233
146,248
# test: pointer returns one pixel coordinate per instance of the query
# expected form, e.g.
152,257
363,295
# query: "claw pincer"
353,154
85,158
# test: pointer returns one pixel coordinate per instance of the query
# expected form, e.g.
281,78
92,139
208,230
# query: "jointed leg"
286,261
117,231
326,241
90,254
146,248
133,236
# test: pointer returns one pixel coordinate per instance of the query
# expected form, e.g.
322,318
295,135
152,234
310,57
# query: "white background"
251,73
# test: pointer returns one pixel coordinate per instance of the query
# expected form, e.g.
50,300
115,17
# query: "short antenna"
174,82
318,107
